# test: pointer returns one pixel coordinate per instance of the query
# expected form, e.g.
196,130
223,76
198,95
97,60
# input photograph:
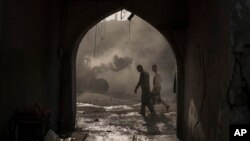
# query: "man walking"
157,88
145,87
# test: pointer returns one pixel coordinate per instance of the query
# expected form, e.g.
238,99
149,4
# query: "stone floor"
120,121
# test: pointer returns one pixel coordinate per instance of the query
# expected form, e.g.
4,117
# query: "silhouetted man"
145,87
157,88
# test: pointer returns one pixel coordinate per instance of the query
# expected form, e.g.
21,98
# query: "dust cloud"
111,51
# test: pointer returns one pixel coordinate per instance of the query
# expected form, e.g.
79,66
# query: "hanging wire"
95,47
129,32
102,30
104,33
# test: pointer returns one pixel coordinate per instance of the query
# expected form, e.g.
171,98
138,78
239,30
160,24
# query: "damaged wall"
217,61
238,96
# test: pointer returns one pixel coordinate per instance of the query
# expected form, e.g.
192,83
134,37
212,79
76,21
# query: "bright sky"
124,14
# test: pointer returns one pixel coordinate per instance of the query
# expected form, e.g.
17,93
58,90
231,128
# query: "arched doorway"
77,28
109,52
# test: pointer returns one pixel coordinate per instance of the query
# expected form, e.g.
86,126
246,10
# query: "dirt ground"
107,117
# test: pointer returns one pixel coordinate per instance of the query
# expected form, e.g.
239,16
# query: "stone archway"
77,28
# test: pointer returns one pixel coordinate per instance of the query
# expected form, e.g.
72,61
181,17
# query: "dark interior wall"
207,71
29,69
1,20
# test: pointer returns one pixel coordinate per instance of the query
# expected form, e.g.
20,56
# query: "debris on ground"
116,122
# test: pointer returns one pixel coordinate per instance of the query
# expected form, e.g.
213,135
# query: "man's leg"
143,102
165,104
151,108
143,106
150,105
158,90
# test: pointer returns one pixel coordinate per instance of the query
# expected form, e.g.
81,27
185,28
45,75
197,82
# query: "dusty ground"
107,117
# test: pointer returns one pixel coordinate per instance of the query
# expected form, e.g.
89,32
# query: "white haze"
146,46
